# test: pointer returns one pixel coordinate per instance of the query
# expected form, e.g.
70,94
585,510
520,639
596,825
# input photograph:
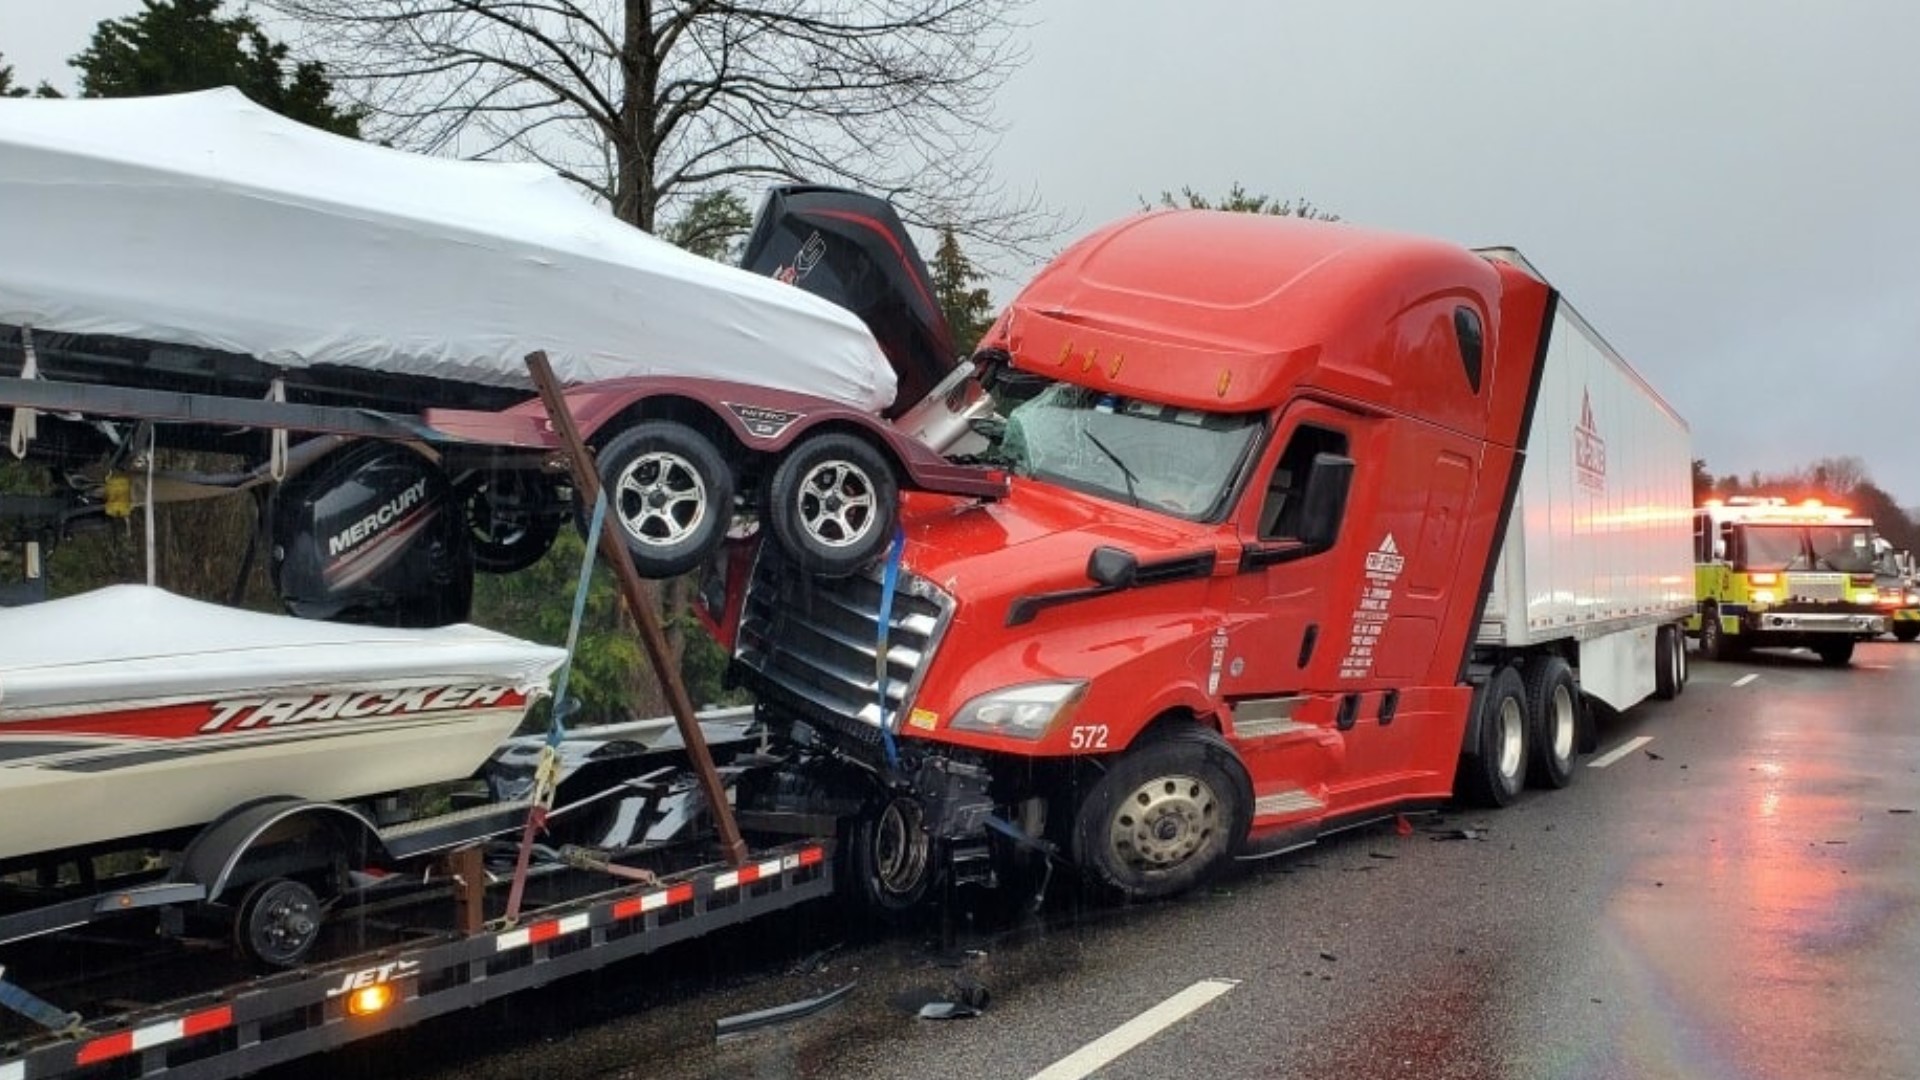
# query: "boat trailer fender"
215,854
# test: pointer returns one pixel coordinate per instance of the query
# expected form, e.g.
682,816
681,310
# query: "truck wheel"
277,923
1714,642
1906,631
1838,653
1553,718
669,496
1492,772
890,859
832,503
512,517
1669,663
1165,816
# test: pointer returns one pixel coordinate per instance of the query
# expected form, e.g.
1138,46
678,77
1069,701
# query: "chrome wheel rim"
901,848
661,499
1163,823
1511,740
1562,705
836,504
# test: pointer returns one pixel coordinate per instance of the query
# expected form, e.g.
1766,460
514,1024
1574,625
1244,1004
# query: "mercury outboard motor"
852,249
371,534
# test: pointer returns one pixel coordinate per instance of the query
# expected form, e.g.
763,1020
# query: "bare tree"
651,104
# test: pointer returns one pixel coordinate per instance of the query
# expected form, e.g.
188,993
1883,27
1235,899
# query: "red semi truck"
1267,567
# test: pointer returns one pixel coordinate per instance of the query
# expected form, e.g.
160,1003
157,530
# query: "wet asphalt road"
1738,897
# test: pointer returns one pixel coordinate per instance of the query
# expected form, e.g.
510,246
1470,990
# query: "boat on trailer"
130,711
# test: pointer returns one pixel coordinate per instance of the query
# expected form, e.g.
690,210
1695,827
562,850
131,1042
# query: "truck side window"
1466,330
1280,512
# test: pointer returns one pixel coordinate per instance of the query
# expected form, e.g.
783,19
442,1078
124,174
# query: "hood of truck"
1036,539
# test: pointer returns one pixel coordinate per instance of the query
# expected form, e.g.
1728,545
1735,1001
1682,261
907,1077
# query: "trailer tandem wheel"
1553,719
1493,771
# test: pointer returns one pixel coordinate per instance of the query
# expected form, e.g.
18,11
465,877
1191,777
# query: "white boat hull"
239,706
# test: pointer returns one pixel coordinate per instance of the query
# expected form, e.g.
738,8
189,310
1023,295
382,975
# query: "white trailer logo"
1589,449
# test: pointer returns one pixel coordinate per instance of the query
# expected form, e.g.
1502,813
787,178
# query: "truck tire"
669,496
1493,771
832,503
1714,642
890,860
1836,653
1553,722
1669,662
1167,814
1906,630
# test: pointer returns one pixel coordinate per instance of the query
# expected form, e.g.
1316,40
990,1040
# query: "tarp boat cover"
133,646
206,221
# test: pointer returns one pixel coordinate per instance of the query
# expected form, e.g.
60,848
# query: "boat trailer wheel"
279,921
660,499
836,503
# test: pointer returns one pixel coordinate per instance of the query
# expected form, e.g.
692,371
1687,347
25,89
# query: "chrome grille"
810,643
1817,586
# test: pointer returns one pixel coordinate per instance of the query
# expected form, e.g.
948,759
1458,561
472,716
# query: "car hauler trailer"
338,923
1309,525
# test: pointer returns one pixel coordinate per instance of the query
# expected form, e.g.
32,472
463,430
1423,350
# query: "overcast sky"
1729,190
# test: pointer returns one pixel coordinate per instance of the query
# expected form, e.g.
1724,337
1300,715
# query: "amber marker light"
369,1000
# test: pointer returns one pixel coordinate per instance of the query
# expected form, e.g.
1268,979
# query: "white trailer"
1597,565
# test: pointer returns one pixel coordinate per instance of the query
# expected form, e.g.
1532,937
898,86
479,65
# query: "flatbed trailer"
435,968
706,848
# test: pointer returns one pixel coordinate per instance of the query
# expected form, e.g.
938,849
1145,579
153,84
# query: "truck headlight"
1913,598
1763,596
1027,711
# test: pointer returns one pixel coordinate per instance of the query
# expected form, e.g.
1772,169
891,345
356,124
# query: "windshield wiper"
1125,473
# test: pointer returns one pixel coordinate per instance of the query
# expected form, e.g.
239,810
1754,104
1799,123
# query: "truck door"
1340,642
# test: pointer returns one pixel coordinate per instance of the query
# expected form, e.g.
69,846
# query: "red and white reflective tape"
13,1070
542,931
640,905
747,875
108,1047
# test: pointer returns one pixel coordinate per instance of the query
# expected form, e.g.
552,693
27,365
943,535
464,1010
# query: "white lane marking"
1745,679
1619,752
1103,1050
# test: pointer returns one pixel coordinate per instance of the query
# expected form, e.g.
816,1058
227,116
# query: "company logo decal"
1589,449
763,423
1384,565
246,713
804,261
349,538
374,976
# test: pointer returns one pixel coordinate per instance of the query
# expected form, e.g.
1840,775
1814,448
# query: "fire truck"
1770,573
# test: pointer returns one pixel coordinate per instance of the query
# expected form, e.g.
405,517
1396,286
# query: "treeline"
1841,481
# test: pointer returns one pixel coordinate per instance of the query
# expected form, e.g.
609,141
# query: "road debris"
741,1023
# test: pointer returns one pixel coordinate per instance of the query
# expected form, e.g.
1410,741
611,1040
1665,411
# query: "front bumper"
1805,622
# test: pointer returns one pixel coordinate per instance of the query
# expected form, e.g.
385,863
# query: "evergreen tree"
968,307
7,89
175,46
1239,200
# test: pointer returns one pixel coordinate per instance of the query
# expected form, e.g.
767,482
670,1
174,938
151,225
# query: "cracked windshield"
1178,461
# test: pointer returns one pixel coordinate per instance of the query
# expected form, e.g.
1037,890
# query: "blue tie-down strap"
889,581
562,708
19,1000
